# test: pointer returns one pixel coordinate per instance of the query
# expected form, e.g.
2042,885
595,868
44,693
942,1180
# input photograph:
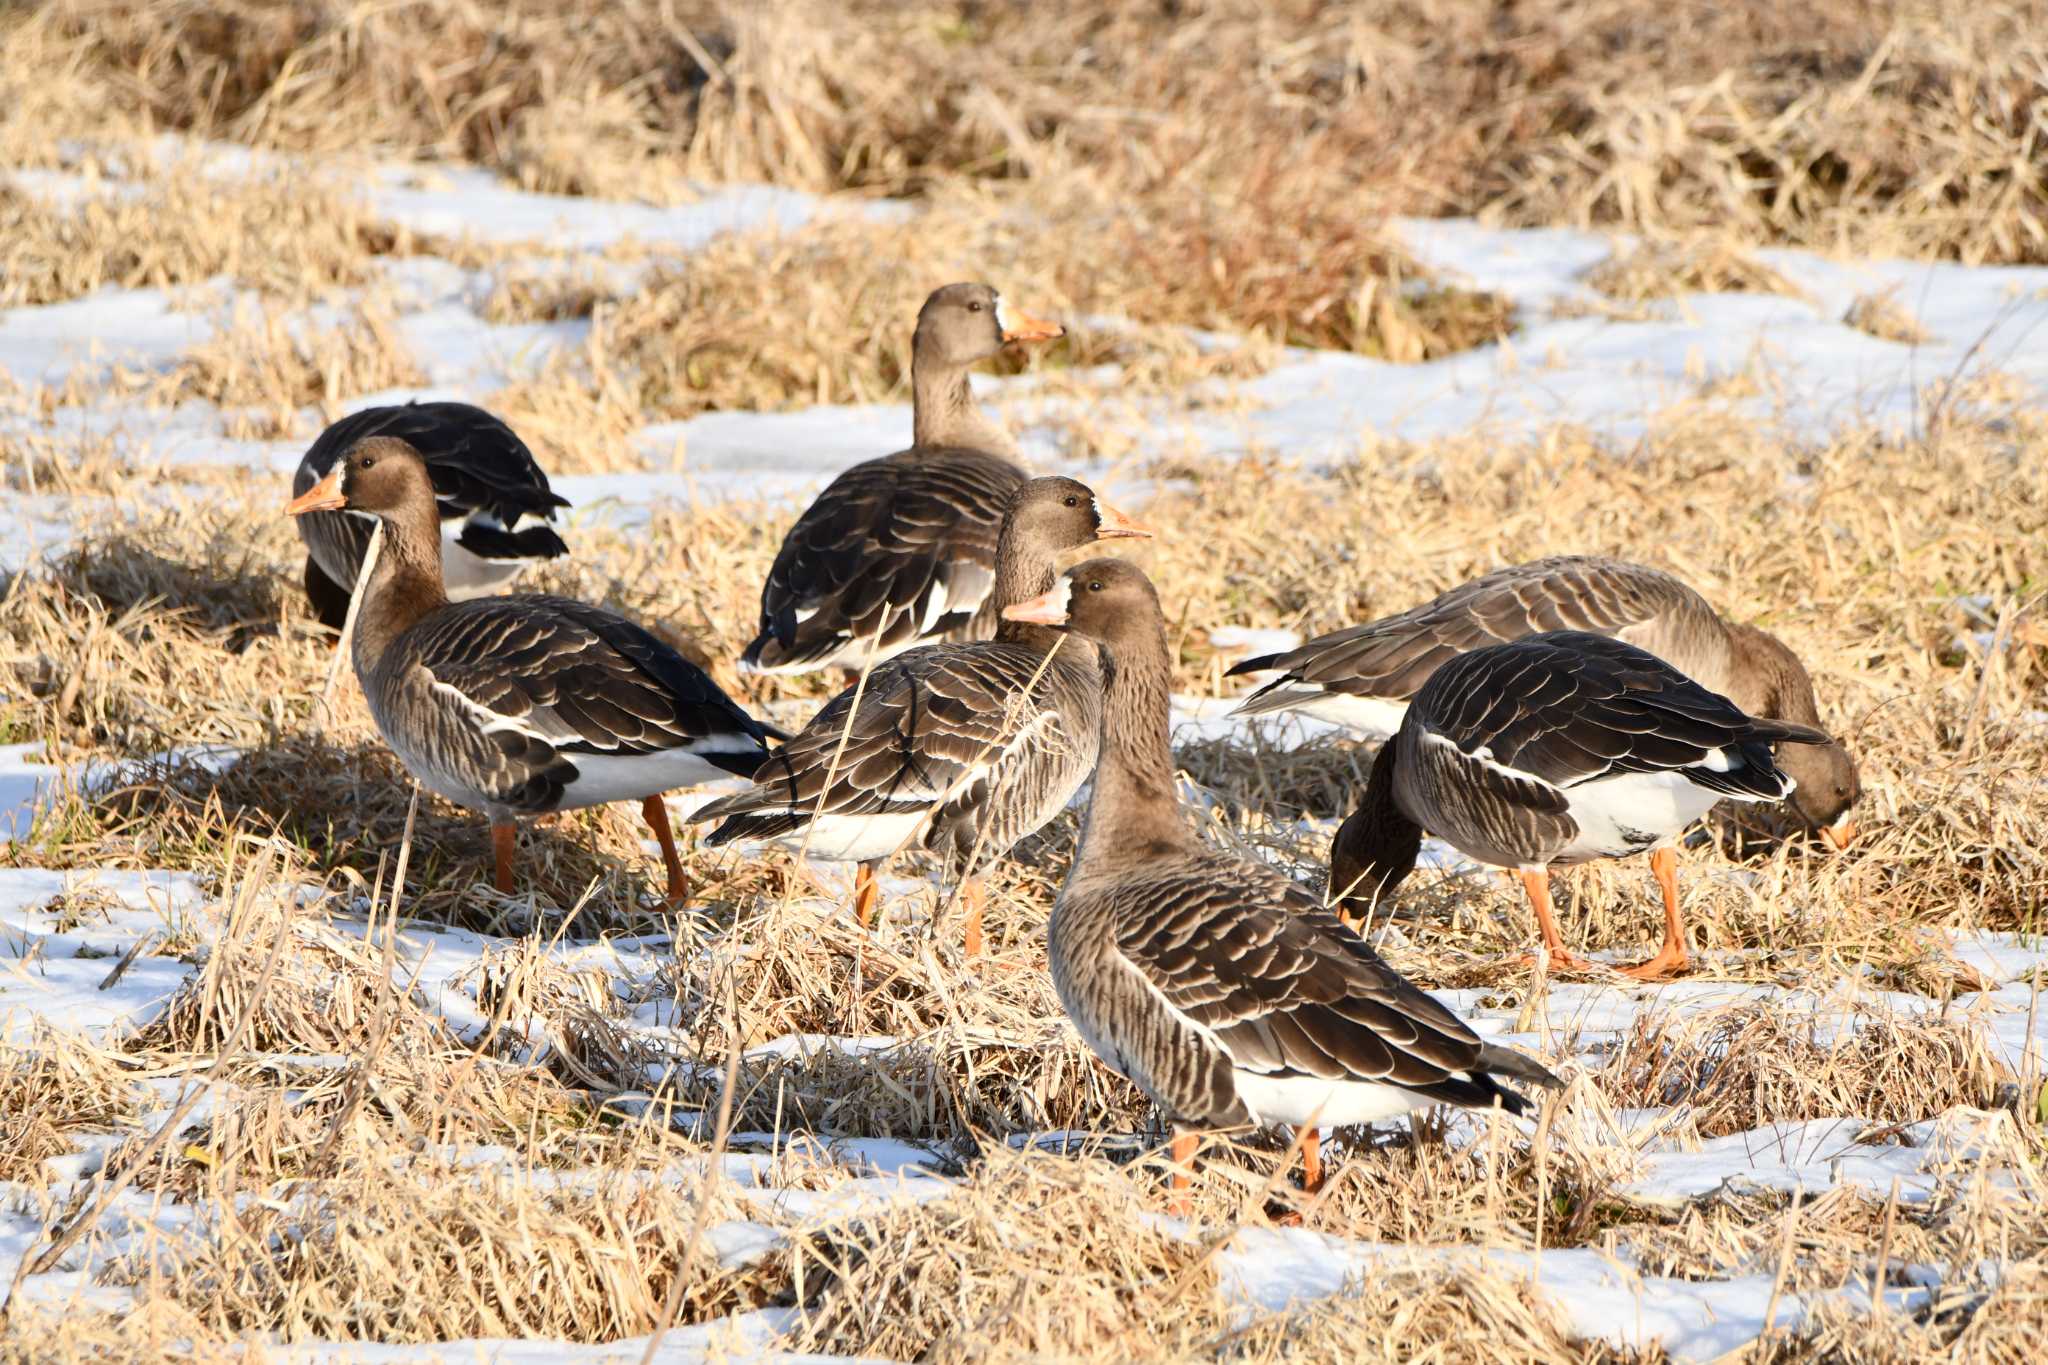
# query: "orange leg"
852,676
502,839
1670,959
973,894
1311,1161
864,893
1537,884
1184,1145
656,811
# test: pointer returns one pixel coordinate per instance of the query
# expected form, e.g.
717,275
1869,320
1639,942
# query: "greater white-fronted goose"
517,706
496,508
1363,677
1219,987
965,748
1557,748
901,550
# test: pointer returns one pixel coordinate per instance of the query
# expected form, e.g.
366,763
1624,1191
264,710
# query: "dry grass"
1746,1066
56,1085
1696,265
1884,317
1899,124
279,234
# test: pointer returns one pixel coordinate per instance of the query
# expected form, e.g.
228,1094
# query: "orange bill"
1115,523
324,496
1046,609
1022,328
1840,834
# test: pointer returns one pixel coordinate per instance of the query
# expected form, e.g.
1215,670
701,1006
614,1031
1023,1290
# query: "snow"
56,971
1596,1297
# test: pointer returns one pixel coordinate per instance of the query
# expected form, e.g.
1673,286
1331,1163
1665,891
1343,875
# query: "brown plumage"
1363,675
901,550
516,706
964,748
1556,749
1223,990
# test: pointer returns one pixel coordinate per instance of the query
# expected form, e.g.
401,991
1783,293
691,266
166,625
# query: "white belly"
471,575
854,838
1299,1100
1621,815
612,777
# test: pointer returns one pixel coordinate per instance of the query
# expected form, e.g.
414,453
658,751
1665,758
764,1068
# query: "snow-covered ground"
1571,361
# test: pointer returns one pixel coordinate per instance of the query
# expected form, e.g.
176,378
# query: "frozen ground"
1567,363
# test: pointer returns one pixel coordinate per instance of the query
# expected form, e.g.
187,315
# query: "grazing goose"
901,550
1557,748
496,508
965,747
520,705
1363,677
1220,988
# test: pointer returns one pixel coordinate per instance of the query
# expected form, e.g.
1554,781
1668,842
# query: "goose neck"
1135,811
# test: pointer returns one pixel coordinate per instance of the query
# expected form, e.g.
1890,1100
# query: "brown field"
1143,170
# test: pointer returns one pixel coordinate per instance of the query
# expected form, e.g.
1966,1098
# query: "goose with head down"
963,748
1555,749
517,706
497,512
1364,677
900,551
1224,991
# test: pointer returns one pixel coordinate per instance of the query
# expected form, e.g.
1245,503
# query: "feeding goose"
1214,983
517,706
496,509
1363,677
900,551
965,748
1554,749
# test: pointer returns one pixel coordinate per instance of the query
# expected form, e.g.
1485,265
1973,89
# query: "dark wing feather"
933,726
588,680
1284,988
877,549
1569,707
1391,658
477,462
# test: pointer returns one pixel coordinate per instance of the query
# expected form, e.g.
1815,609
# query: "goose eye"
367,462
1095,585
1073,501
974,306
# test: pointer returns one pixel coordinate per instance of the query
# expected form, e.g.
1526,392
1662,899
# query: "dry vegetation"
1224,166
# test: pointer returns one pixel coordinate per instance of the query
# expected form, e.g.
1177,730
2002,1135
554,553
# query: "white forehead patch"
1002,322
1062,594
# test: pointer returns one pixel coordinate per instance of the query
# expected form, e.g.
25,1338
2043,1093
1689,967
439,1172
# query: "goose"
1552,749
900,551
965,748
1223,990
1363,677
496,508
517,706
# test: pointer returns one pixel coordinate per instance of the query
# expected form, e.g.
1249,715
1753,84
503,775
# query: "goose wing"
1567,707
580,680
936,731
1391,658
1275,981
894,551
